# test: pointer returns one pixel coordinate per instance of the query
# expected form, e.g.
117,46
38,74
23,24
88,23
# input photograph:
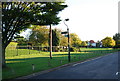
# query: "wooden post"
33,67
60,61
79,57
17,51
13,71
49,64
50,42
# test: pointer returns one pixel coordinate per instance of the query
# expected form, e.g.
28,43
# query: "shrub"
73,49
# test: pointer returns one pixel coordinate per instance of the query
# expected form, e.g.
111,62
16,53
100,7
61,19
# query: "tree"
83,44
39,36
108,42
116,37
20,40
63,41
55,37
37,13
75,40
98,44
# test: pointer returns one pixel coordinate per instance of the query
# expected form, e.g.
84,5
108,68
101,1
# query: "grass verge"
22,64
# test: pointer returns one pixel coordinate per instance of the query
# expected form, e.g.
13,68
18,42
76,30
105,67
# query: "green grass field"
19,61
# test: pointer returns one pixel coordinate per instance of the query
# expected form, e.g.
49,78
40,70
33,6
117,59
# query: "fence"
23,50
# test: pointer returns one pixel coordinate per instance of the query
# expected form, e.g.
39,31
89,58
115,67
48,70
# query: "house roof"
91,41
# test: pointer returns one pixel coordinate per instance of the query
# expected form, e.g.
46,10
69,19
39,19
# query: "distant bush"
116,47
74,49
24,44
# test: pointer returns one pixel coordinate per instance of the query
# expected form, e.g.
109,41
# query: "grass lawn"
19,62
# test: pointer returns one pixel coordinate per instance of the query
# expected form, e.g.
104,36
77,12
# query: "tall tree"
17,16
39,35
75,40
83,43
108,42
20,40
98,44
55,37
116,37
63,41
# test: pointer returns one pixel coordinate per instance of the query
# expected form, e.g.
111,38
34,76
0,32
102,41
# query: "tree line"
39,36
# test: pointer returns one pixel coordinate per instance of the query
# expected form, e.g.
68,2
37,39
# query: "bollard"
74,57
49,63
60,61
33,67
79,57
13,71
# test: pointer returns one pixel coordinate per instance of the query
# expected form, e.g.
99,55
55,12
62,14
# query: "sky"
90,19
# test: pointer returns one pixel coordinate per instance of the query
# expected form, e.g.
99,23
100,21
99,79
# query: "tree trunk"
50,42
2,51
3,57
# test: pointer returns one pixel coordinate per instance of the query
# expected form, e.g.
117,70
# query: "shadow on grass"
19,67
27,59
60,56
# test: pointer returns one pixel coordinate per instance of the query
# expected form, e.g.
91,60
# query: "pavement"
105,67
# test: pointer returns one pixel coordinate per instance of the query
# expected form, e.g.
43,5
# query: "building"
91,43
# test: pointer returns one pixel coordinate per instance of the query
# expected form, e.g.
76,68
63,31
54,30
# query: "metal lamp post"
68,39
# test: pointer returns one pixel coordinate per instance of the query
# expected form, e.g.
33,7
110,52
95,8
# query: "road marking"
117,73
76,64
90,60
86,61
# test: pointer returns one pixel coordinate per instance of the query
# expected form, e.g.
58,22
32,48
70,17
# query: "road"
105,67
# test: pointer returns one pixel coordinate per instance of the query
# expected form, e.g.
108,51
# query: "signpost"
67,32
66,35
64,32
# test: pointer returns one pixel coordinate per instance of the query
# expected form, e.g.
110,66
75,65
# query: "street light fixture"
68,39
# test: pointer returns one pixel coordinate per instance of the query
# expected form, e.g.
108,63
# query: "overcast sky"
91,19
